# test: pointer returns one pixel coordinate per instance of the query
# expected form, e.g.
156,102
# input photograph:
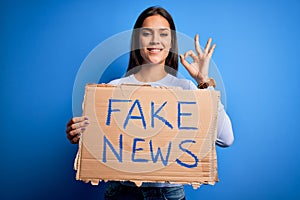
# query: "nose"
155,39
154,43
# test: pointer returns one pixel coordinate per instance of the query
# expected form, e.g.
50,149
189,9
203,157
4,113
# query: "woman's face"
155,40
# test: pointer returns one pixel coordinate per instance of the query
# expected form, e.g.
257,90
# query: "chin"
155,62
156,59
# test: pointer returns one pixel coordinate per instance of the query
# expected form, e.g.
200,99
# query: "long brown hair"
136,60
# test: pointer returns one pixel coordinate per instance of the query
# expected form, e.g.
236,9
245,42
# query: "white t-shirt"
168,81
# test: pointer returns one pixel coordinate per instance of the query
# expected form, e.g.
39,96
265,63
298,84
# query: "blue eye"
164,34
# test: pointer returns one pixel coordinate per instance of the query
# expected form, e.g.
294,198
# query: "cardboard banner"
148,134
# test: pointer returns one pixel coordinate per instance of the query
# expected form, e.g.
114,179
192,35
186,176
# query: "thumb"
184,62
187,65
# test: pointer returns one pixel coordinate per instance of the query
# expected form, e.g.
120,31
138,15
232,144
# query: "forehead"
156,21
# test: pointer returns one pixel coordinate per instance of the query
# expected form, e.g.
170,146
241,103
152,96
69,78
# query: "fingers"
183,61
75,127
78,125
77,122
187,66
76,132
75,139
76,119
207,45
211,51
192,54
197,45
75,135
208,48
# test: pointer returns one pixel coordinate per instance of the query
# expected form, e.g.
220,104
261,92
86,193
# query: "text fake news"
154,114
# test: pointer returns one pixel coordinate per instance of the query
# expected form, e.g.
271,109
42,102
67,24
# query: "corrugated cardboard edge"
78,155
138,183
131,84
215,165
77,163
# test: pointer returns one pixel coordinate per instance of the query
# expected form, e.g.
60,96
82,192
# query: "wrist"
207,83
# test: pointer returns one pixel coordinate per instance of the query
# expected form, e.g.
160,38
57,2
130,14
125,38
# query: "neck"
151,73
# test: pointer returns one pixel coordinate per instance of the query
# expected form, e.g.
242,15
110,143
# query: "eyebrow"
151,29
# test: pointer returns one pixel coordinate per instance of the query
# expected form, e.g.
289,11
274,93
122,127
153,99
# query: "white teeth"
155,50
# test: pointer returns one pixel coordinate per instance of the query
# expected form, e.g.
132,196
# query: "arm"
225,136
198,69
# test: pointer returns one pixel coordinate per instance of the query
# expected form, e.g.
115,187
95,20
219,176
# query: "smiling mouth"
154,50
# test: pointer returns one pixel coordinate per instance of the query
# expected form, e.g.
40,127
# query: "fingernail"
86,118
86,122
83,129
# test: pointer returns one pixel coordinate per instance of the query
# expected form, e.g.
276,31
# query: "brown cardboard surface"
148,134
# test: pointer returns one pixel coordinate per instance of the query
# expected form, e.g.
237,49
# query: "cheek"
167,43
166,53
142,52
144,42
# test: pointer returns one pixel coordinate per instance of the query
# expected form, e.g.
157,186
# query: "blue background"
43,44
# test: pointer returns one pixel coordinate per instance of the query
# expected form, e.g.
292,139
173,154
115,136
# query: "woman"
154,60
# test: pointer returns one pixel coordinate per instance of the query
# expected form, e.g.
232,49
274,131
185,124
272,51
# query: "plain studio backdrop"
43,44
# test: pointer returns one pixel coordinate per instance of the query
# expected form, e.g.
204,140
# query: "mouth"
154,50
